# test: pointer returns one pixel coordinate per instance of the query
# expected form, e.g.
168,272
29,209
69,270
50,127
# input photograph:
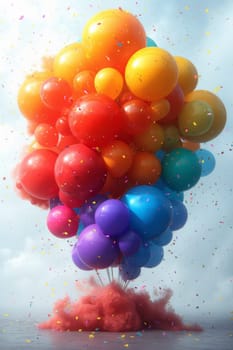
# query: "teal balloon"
206,160
181,169
150,42
150,210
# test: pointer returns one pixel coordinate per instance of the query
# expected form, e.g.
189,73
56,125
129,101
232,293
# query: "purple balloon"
112,216
96,249
87,210
129,243
77,261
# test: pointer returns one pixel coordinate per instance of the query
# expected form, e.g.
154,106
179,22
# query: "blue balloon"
169,193
150,210
150,42
129,272
156,255
81,226
207,161
53,202
179,216
160,154
164,239
139,258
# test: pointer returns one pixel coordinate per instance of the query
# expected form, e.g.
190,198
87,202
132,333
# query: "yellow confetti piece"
207,33
206,10
187,7
217,89
28,341
126,345
65,283
5,315
123,336
91,336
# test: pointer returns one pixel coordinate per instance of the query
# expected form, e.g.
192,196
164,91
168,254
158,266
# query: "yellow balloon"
195,118
69,61
151,73
187,74
218,110
109,81
151,140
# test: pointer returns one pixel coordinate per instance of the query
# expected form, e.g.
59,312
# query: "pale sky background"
36,268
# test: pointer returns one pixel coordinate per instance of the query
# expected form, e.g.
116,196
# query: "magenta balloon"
112,216
62,221
95,248
129,243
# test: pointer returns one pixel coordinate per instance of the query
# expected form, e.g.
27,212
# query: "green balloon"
181,169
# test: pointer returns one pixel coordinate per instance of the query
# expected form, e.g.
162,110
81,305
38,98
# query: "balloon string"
126,284
112,273
100,279
108,273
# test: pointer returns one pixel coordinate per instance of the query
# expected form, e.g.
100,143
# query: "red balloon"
62,125
176,100
36,174
80,171
56,93
136,116
72,201
46,135
95,120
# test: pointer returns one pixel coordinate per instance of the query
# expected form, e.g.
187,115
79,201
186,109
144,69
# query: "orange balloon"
29,100
109,81
219,112
115,187
187,74
151,139
192,146
145,170
151,73
69,61
83,83
110,37
159,109
118,157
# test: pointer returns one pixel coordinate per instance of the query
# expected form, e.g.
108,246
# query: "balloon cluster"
116,124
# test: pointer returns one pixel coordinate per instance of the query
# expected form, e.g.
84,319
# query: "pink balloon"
63,221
